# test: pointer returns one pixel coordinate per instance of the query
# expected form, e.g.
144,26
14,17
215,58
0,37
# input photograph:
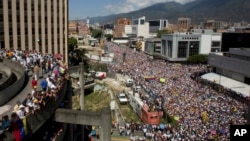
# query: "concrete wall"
10,77
12,90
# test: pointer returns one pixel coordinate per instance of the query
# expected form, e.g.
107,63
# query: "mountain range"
198,10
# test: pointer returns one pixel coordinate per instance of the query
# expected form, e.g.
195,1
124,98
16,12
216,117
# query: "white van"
129,82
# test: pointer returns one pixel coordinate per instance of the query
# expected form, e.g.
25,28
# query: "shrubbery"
197,59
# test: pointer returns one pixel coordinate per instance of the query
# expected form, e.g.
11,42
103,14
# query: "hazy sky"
81,9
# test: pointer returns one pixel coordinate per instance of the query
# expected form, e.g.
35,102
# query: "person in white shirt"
21,111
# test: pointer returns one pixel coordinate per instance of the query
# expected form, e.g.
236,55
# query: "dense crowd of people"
202,112
38,64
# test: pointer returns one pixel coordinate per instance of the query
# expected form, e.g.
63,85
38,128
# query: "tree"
160,32
108,37
96,33
72,43
78,56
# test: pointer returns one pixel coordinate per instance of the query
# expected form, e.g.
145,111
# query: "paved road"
22,95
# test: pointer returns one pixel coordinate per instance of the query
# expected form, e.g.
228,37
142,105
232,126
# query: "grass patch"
97,101
93,102
129,114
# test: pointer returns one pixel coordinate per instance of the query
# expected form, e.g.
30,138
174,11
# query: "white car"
122,98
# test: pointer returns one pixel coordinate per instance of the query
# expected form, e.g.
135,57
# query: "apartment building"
39,25
120,26
183,24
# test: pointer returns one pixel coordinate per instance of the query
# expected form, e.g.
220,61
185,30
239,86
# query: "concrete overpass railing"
102,119
12,90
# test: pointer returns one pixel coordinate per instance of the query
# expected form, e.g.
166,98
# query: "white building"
157,24
108,31
138,28
179,46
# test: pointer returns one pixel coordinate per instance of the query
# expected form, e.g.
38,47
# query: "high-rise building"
39,25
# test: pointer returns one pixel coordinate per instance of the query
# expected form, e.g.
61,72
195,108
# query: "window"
215,43
170,46
194,48
142,21
1,4
164,47
182,49
9,4
154,23
135,22
215,49
165,23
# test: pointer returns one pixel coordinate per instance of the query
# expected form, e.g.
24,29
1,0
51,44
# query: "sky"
81,9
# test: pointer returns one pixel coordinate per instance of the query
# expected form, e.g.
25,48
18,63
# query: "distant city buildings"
83,29
72,28
186,39
213,24
34,25
183,24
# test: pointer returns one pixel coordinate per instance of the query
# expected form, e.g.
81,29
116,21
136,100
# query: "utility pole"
82,95
82,86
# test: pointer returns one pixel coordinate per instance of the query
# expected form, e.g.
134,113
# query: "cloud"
132,5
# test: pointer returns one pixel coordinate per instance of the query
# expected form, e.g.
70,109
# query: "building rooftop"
240,51
153,39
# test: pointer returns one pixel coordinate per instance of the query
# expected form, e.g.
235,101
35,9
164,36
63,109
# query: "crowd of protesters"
37,64
202,112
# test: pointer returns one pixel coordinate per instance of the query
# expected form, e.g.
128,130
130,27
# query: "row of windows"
184,49
190,38
33,44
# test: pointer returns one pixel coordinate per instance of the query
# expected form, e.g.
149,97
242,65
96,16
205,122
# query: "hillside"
199,10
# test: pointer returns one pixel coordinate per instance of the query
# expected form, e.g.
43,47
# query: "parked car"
122,98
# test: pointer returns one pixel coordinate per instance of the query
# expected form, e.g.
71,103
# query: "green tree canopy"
160,32
96,33
79,55
108,37
72,43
